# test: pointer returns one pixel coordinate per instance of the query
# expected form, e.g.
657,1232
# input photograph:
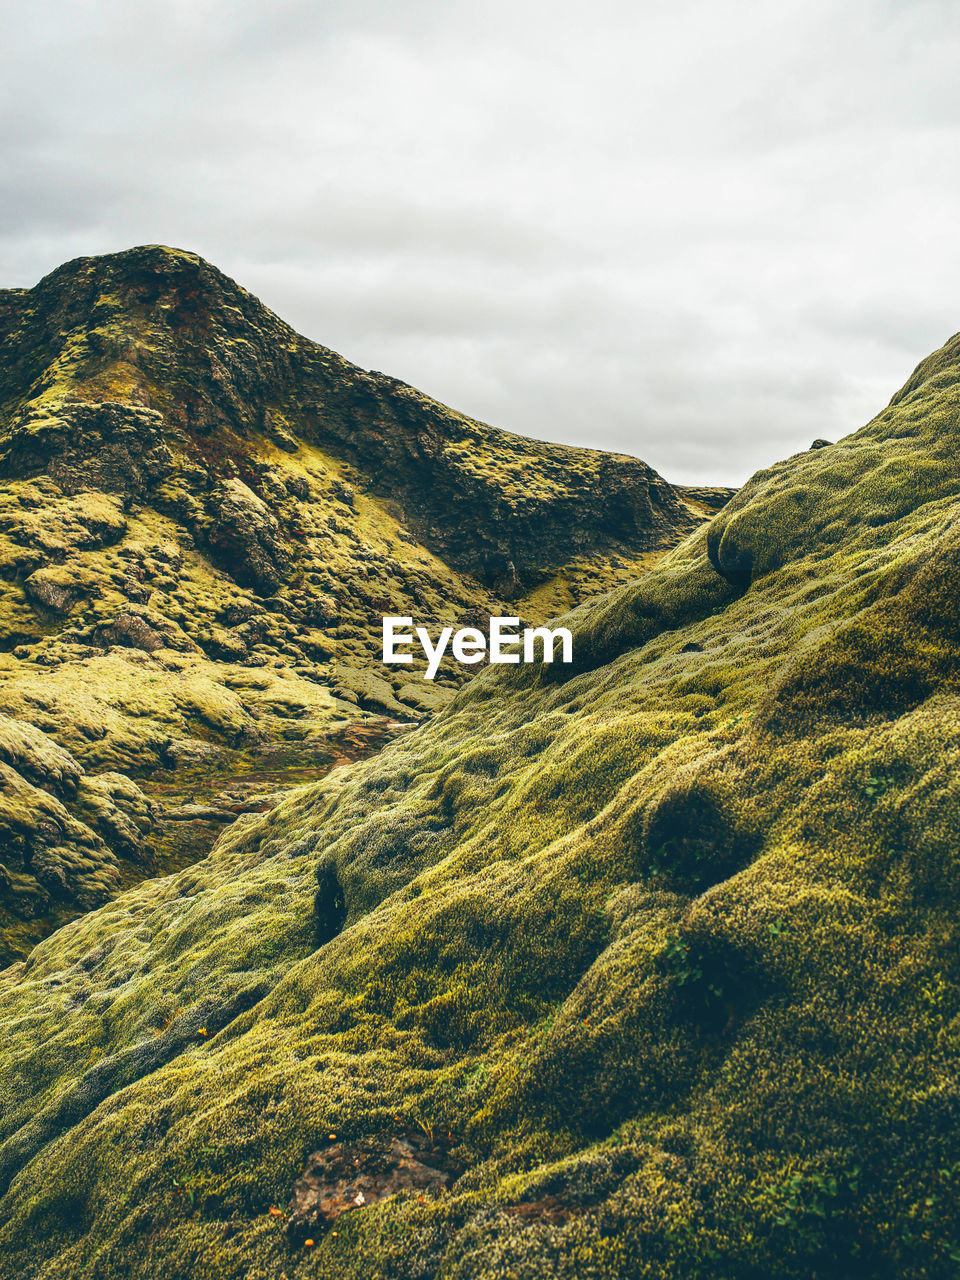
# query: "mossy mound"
62,832
660,954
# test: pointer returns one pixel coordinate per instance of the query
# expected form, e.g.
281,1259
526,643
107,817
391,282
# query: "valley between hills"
645,966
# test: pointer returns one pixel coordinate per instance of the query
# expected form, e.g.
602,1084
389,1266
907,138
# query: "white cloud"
704,234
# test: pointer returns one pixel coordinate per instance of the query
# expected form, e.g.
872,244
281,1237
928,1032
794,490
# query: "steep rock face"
246,536
659,954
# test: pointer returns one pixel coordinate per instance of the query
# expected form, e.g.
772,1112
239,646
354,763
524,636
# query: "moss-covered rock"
60,830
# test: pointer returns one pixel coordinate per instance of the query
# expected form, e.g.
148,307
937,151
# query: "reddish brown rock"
348,1176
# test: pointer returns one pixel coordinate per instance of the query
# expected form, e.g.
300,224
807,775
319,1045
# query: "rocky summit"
203,519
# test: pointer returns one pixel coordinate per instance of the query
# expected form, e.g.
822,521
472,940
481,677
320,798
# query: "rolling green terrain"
658,957
203,518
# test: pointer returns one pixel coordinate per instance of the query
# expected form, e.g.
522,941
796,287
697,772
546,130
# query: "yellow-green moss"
670,938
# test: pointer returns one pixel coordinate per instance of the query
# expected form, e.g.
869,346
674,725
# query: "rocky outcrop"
112,447
246,539
60,829
140,628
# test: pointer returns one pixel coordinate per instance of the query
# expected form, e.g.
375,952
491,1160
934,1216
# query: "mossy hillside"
153,640
904,458
672,941
149,380
131,650
68,586
189,352
204,518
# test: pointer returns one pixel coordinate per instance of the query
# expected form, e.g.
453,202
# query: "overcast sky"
703,233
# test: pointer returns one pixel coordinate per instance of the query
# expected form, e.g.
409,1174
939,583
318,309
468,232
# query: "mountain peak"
161,329
133,266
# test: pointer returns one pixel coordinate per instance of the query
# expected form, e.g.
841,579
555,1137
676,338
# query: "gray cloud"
700,233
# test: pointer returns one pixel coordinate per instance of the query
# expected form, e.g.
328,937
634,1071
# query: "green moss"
668,940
